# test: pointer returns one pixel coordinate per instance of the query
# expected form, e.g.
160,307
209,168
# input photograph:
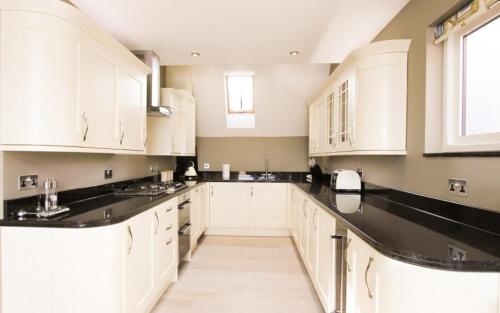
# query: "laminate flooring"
242,275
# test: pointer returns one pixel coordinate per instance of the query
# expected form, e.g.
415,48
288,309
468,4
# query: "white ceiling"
243,31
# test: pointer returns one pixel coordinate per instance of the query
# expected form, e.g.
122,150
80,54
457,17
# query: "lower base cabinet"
248,209
119,268
376,283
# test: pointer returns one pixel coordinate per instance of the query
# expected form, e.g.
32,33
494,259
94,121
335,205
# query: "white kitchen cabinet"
248,209
139,263
229,204
268,205
66,85
41,58
174,135
303,226
368,92
100,110
318,123
119,268
204,207
132,110
195,214
361,276
166,243
376,283
325,270
312,238
294,197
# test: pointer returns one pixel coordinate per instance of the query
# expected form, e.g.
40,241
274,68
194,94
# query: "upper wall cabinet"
363,104
174,135
66,85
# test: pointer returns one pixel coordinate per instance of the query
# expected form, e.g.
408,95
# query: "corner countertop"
411,235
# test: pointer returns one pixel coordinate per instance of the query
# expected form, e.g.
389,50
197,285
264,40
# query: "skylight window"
240,106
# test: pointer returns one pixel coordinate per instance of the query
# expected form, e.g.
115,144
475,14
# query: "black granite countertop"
102,210
402,226
417,235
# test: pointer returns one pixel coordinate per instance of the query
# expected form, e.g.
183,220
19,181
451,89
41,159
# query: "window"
480,81
240,106
239,93
462,84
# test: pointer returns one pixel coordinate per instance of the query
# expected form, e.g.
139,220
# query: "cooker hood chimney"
154,106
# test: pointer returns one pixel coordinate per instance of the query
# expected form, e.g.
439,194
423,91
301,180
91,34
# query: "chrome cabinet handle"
345,255
370,261
131,240
169,241
84,115
169,227
349,136
145,137
251,191
304,208
122,133
157,222
169,209
212,190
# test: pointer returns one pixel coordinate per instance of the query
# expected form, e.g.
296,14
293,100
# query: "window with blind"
468,48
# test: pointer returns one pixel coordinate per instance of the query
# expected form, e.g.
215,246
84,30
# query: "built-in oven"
184,226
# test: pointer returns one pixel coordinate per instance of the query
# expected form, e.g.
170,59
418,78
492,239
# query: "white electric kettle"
190,173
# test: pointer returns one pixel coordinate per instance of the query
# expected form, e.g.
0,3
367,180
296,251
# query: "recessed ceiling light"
294,53
195,54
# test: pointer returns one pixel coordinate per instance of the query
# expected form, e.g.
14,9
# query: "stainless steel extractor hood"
154,107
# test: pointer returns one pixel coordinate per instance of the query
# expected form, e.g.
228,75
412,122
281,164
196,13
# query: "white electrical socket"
457,187
206,166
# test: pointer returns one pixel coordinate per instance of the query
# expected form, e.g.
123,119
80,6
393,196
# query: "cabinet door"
332,121
381,92
438,290
322,127
166,242
361,275
178,141
229,204
41,80
268,207
312,129
139,262
326,262
188,125
132,111
312,238
100,109
346,111
195,214
204,207
291,209
303,225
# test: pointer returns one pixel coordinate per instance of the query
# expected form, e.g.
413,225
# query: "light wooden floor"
242,275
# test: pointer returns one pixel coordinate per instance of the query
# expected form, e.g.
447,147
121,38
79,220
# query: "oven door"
184,241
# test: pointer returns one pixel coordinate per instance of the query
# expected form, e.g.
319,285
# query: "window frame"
453,84
226,89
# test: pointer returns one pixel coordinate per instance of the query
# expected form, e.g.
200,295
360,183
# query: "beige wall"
415,173
247,153
74,170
